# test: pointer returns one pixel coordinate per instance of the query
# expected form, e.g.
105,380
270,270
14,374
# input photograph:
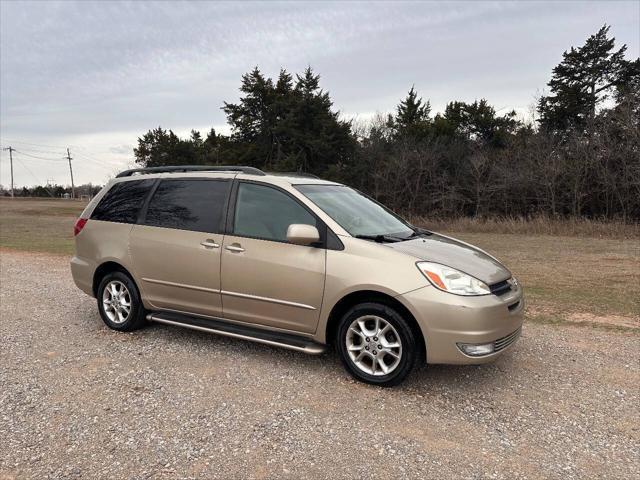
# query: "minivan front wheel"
119,302
376,344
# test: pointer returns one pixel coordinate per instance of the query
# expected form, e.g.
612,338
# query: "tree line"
51,191
580,158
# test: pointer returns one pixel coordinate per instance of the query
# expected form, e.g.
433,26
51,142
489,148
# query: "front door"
265,279
176,250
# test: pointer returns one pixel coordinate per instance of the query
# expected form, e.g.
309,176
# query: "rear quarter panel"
97,243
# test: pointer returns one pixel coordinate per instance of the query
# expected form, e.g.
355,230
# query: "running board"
220,327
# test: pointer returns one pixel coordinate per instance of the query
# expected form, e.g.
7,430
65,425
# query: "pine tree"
160,147
586,77
477,121
412,116
287,125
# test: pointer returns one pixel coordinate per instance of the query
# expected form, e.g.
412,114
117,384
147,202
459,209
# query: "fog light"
474,350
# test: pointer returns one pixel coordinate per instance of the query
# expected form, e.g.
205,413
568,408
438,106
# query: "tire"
358,341
114,313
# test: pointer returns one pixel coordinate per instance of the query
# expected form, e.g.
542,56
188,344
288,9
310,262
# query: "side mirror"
301,234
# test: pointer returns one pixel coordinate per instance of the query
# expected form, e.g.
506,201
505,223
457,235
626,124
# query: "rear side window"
123,201
266,213
196,205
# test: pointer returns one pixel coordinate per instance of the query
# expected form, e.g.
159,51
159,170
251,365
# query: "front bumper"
447,321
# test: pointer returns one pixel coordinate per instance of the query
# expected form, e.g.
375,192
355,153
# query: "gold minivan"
293,261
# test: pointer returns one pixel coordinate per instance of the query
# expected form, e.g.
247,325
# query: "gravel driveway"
80,401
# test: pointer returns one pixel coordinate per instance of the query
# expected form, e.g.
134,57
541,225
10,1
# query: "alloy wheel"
116,301
374,345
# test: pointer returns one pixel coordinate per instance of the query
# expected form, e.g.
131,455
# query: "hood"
456,254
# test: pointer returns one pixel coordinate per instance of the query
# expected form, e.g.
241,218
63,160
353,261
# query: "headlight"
451,280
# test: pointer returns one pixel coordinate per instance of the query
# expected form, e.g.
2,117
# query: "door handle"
234,248
209,244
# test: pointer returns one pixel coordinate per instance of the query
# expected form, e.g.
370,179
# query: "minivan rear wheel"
119,302
376,344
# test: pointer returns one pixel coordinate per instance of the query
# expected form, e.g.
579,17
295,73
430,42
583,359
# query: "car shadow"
453,378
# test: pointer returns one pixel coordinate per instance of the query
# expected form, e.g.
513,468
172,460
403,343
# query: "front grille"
500,288
504,342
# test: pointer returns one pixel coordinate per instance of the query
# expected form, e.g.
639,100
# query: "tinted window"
123,201
195,205
264,212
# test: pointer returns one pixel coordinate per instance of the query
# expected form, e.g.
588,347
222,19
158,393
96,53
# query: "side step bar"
220,327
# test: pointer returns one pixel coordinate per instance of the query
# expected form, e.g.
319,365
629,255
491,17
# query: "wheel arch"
105,268
354,298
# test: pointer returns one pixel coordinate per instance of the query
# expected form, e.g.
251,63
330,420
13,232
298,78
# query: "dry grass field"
38,225
587,279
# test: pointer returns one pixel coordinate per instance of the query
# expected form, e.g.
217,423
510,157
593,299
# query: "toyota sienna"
293,261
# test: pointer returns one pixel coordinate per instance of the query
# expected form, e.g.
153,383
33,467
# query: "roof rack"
294,174
191,168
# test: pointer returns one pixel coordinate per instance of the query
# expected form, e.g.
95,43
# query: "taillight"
80,223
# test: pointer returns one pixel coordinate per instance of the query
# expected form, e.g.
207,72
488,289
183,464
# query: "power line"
36,144
38,157
86,157
35,154
97,162
31,150
63,157
38,182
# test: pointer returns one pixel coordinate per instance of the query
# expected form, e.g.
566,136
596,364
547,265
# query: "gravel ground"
80,401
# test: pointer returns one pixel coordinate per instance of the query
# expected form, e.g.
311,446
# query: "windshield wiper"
417,231
380,238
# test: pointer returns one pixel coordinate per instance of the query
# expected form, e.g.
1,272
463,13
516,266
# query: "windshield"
353,211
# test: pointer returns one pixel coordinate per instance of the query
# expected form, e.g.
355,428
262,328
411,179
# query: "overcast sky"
96,76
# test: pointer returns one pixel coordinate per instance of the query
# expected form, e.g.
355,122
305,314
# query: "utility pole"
11,150
73,188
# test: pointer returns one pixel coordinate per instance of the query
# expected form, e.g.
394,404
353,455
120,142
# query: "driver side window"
266,213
